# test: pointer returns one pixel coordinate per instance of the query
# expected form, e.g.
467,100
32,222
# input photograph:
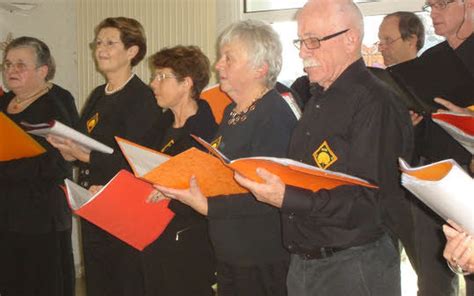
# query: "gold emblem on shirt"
167,146
92,122
217,142
324,156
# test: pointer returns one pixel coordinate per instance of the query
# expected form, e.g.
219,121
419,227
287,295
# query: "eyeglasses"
315,42
387,41
439,5
107,44
162,76
19,67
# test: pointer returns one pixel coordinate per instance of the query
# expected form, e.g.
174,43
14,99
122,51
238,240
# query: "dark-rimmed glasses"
439,5
315,42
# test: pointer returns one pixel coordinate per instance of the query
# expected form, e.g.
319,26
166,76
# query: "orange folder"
212,176
218,101
291,172
120,208
16,143
215,175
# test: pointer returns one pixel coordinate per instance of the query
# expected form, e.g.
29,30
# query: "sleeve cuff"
297,200
216,207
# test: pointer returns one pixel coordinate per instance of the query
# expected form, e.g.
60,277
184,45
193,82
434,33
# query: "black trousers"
180,262
36,264
256,280
112,268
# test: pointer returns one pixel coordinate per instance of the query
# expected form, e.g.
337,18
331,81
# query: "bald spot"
334,15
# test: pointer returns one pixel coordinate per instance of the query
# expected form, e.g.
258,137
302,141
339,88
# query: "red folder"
16,143
459,126
120,208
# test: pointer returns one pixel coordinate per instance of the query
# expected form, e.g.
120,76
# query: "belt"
320,253
326,252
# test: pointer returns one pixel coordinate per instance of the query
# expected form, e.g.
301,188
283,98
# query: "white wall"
54,22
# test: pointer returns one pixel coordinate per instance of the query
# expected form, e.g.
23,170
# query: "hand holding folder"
215,174
15,143
445,188
120,208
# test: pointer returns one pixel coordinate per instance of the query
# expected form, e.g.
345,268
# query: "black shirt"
165,138
465,52
31,200
356,127
433,142
129,114
244,231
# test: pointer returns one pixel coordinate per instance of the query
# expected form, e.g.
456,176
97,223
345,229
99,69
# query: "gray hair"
43,54
262,44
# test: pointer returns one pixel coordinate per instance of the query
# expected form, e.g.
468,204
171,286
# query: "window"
293,68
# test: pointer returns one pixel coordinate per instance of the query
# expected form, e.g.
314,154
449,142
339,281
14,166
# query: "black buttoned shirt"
355,127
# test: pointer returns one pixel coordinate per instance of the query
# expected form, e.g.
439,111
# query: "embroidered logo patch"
217,142
92,122
324,156
167,146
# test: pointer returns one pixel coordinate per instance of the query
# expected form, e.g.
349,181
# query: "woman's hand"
192,196
155,197
95,188
69,149
459,248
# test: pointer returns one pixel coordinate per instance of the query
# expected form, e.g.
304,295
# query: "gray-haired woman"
35,221
245,233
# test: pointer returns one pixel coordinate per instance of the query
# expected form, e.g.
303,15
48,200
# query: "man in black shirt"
352,124
452,20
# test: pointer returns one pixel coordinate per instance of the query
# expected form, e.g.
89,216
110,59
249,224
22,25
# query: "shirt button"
85,184
308,134
86,172
290,247
291,216
317,106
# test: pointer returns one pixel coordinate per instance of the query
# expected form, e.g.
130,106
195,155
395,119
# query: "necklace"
109,92
238,117
19,103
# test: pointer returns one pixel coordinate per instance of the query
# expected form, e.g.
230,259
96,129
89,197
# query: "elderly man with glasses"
352,124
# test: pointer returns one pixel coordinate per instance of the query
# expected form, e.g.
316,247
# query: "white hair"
262,44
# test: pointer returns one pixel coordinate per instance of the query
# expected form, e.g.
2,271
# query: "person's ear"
261,71
43,71
351,41
132,51
188,82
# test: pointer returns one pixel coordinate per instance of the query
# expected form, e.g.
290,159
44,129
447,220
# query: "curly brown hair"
185,61
131,33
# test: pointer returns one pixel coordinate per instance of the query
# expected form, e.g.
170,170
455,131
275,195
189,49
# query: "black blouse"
31,200
129,114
